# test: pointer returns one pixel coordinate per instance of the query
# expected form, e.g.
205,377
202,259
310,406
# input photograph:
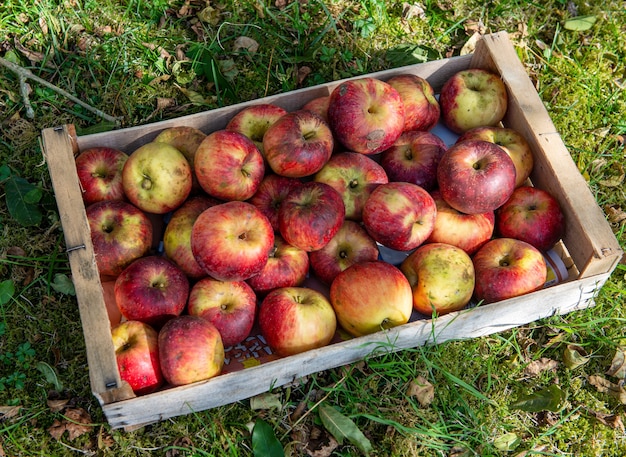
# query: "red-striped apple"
421,108
99,172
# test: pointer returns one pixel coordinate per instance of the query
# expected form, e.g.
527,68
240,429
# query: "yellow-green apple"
319,106
190,350
286,266
371,296
421,108
476,176
532,215
506,268
157,178
298,144
271,193
296,319
120,233
399,215
152,289
229,166
414,158
137,354
351,244
366,115
229,305
186,139
99,172
232,241
354,176
472,98
513,143
441,277
254,120
311,215
466,231
177,234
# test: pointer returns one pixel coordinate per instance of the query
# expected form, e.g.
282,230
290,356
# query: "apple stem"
146,183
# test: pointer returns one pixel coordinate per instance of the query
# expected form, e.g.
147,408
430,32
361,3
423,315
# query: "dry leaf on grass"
610,420
9,412
603,385
618,364
76,421
422,390
536,367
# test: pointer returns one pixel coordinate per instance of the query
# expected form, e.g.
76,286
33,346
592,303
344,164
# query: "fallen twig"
24,74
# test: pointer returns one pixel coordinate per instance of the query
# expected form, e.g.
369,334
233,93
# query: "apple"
513,143
532,215
421,108
366,115
286,266
414,158
472,98
298,144
229,305
177,234
228,165
137,354
152,289
232,241
441,277
157,178
296,319
399,215
120,233
254,120
354,176
476,176
466,231
108,292
319,106
311,215
270,195
371,296
190,350
506,268
351,244
99,172
186,139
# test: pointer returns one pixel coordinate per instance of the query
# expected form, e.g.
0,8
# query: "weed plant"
512,393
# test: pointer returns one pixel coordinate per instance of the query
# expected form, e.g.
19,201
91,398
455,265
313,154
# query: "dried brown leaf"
303,72
247,43
603,385
325,451
610,420
410,11
536,367
76,422
574,356
162,52
422,390
615,215
9,412
618,364
57,404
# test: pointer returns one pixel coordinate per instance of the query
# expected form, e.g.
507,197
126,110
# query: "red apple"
108,292
441,276
120,233
311,215
232,241
298,144
229,305
354,176
414,158
270,195
513,143
137,354
254,120
371,296
318,106
157,178
472,98
152,290
296,319
466,231
99,171
366,115
421,108
476,176
190,350
177,235
399,215
506,268
351,244
229,166
286,266
532,215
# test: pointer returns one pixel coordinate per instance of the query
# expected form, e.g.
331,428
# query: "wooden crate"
589,248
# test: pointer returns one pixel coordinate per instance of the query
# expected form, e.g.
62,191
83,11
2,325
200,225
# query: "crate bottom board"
242,384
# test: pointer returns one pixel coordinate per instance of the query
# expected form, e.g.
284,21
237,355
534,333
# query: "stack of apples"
277,222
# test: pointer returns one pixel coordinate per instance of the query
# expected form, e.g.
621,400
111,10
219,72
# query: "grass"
145,61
